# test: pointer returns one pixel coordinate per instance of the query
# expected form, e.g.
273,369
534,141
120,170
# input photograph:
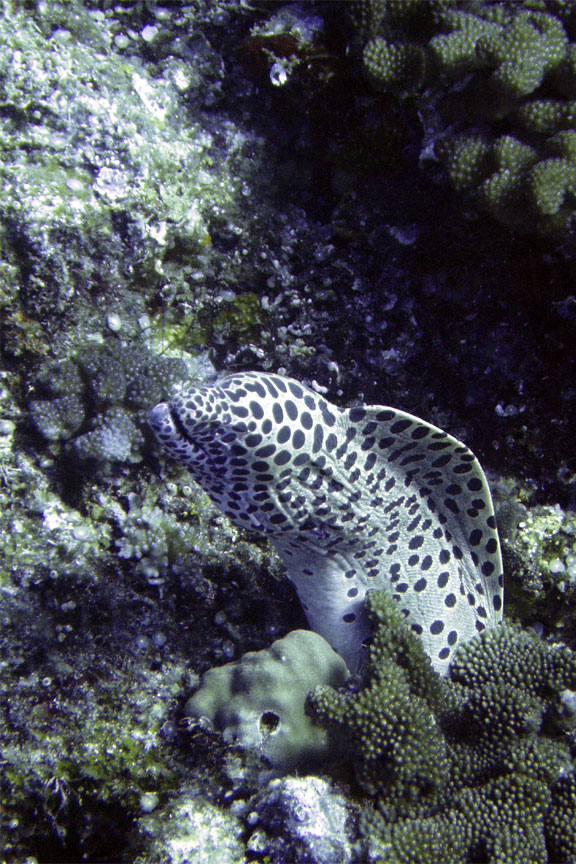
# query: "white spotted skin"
353,500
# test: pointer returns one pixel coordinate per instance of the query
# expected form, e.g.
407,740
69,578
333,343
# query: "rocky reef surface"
376,198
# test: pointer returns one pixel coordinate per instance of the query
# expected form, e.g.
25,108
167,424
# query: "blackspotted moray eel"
353,499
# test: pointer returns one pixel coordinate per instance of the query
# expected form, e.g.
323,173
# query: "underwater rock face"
302,819
369,497
192,830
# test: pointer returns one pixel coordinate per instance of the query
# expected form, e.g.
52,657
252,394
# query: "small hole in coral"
269,722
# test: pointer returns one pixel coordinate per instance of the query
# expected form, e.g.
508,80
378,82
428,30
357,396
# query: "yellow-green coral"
398,750
388,726
400,67
545,116
515,660
454,51
522,51
471,63
467,159
560,832
482,825
516,47
512,180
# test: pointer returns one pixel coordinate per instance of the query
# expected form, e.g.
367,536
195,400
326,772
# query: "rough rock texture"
218,182
192,830
302,819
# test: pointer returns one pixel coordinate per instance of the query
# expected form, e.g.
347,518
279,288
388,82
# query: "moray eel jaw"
208,433
199,436
169,433
369,497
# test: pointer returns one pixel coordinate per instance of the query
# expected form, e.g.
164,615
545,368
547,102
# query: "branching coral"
480,765
499,80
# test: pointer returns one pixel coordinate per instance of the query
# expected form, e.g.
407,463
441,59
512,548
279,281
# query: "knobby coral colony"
98,401
500,80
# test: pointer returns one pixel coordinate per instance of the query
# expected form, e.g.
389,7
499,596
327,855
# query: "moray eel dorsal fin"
369,497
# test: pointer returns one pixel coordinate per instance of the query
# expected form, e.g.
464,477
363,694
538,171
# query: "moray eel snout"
188,433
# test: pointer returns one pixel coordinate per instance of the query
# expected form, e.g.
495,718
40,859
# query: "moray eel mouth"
167,426
197,435
178,424
171,431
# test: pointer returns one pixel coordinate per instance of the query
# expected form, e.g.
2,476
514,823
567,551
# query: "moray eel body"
368,497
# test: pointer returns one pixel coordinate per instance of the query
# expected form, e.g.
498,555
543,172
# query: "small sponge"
258,701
